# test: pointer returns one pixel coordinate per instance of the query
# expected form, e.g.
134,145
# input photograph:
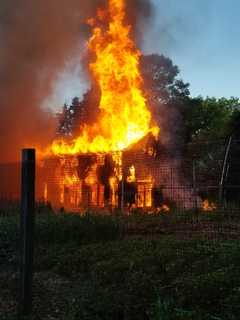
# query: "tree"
209,124
74,116
232,178
161,80
167,97
210,118
64,122
234,127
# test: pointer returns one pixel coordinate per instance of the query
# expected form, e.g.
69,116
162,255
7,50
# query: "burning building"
113,162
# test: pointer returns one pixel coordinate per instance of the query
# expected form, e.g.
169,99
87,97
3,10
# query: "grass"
168,267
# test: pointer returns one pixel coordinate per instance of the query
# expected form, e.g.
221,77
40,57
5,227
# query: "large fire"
97,169
124,116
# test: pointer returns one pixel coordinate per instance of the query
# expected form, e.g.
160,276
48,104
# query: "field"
170,266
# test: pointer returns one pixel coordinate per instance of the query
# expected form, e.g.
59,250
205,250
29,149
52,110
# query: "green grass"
139,267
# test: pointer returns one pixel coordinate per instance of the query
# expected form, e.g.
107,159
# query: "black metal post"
195,186
27,230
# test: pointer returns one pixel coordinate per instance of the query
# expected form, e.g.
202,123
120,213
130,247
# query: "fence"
78,259
152,184
185,203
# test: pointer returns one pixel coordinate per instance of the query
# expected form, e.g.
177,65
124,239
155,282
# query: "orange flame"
163,209
132,175
124,116
208,206
70,180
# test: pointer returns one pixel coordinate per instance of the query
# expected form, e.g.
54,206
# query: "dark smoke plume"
37,38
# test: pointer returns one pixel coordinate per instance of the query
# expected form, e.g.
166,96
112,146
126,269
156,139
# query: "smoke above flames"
37,40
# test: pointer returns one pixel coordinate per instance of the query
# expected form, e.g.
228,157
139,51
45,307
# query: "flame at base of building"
208,206
93,181
134,178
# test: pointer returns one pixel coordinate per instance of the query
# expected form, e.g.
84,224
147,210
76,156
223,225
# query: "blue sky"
201,36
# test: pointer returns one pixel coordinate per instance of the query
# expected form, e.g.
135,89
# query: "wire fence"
93,200
79,258
207,178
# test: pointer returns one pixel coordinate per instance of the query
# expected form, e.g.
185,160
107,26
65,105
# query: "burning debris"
208,205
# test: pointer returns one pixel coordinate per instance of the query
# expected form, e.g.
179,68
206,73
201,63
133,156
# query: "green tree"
161,80
167,96
210,118
209,124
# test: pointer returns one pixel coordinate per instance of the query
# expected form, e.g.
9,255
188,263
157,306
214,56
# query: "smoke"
37,40
139,13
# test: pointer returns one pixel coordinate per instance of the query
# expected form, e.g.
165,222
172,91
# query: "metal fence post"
195,186
27,230
122,195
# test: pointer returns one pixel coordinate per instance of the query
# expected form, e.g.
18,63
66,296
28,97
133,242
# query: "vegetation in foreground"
138,267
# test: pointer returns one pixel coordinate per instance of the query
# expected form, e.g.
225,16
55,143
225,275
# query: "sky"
202,37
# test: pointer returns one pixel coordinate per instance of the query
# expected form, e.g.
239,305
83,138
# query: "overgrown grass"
126,267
